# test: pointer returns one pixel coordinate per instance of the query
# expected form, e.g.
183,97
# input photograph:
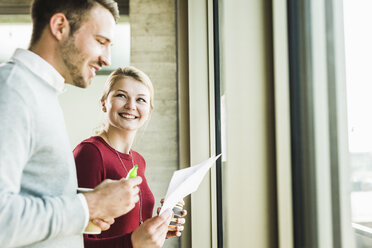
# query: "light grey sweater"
38,202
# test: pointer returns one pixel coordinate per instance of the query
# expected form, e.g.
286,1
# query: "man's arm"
26,219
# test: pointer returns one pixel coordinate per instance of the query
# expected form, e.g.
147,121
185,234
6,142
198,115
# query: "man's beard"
73,60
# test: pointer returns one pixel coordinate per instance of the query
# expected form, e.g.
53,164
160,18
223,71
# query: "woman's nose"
130,104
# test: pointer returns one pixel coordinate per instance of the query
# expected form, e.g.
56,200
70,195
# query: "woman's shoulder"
140,161
91,143
93,140
137,156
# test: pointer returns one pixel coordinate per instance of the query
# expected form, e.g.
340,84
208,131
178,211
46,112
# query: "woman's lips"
127,116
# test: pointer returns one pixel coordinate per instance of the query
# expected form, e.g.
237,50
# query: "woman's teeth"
128,116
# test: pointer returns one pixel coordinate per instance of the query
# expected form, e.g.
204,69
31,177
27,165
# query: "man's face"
88,49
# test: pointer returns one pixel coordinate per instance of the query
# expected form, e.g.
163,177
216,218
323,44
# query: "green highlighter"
133,172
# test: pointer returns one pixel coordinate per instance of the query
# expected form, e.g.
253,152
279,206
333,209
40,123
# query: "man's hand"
112,198
152,233
103,224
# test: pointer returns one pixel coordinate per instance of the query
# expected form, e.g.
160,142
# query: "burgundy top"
97,161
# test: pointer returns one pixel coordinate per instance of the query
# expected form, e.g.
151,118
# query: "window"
358,51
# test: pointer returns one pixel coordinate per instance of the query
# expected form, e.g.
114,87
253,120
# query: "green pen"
133,172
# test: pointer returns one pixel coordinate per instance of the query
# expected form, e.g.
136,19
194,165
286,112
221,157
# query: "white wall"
82,110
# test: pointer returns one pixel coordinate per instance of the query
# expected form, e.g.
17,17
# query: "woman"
127,102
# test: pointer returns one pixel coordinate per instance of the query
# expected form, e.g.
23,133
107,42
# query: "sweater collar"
41,67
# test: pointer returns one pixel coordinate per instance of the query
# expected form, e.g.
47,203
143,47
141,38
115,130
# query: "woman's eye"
101,42
121,95
141,100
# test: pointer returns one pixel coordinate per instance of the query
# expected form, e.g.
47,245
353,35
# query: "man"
39,206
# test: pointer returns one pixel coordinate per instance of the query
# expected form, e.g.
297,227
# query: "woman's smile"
128,116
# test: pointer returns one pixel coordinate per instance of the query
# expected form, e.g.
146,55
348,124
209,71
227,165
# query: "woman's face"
128,104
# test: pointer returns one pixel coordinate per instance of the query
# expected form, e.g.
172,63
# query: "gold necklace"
125,168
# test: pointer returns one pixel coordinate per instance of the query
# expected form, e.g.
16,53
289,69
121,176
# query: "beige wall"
153,50
249,175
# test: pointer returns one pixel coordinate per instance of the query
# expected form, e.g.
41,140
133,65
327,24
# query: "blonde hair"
121,73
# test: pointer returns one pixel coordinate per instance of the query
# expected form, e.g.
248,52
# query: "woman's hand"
177,232
152,232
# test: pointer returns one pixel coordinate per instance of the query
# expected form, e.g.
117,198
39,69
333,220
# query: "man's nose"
105,58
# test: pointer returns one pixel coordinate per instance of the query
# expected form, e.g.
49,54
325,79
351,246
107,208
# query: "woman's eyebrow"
122,90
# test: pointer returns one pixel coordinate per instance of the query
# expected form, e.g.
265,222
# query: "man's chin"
82,83
85,85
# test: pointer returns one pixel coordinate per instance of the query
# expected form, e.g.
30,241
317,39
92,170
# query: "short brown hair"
74,10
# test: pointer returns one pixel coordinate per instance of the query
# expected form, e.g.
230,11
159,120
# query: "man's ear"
59,26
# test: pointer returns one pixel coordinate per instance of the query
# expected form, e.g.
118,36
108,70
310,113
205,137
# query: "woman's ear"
59,26
103,104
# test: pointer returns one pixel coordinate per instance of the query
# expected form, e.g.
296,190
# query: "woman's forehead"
131,85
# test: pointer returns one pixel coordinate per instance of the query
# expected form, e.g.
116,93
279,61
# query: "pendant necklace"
125,168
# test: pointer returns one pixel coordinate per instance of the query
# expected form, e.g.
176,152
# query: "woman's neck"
118,139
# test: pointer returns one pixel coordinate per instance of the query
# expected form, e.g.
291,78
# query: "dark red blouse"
97,161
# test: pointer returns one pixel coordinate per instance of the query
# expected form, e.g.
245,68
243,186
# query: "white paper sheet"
186,181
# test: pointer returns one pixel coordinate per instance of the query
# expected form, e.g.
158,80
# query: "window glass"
358,52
